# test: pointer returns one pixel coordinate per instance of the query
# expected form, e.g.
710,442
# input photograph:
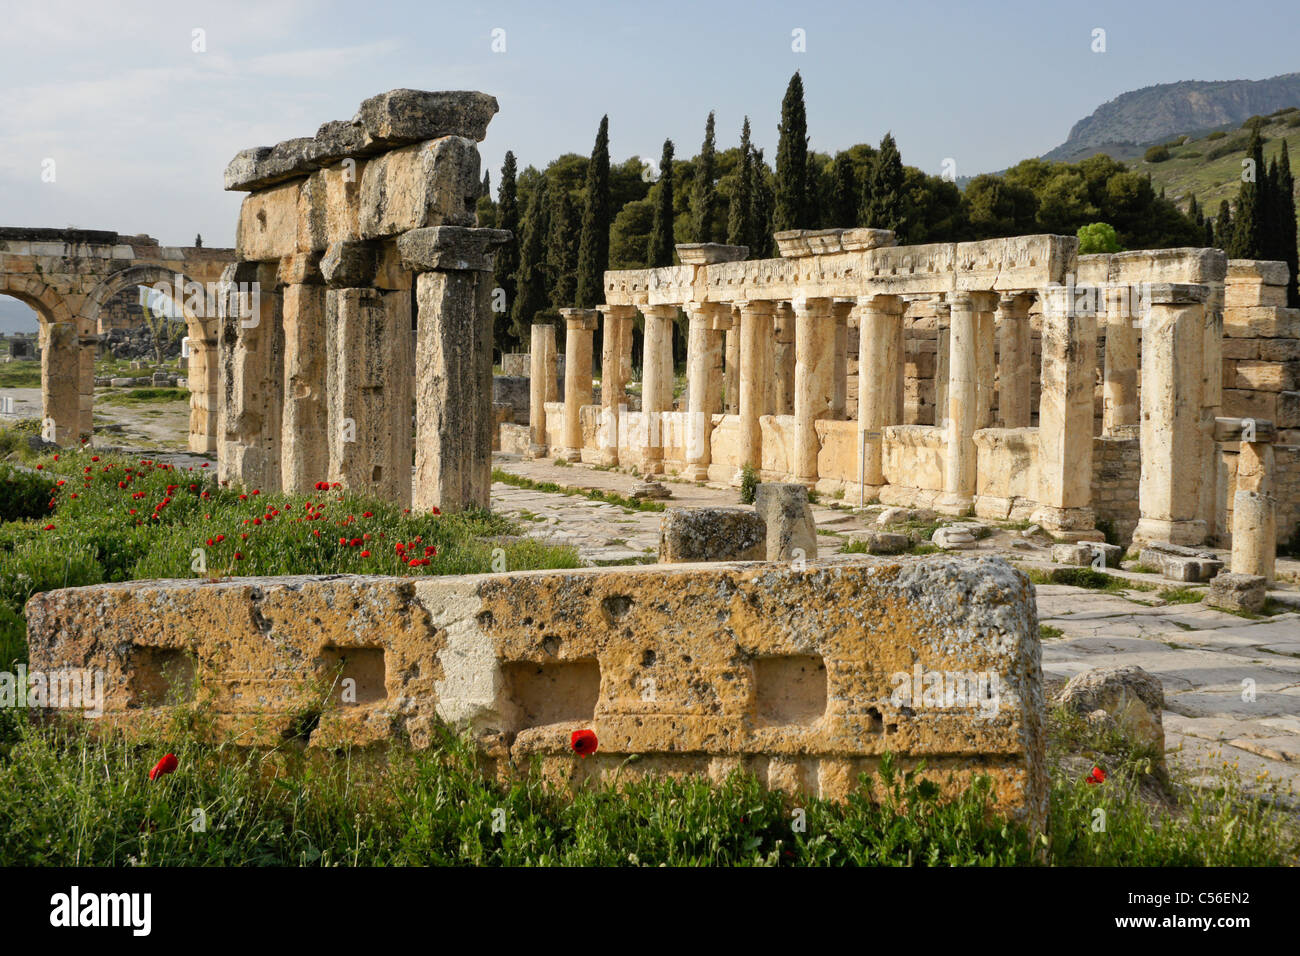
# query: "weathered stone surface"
450,248
1180,564
755,664
707,253
1237,592
887,542
711,534
952,537
1131,696
651,490
406,116
428,184
1084,553
349,265
788,517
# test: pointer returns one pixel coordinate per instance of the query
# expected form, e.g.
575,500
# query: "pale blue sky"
141,127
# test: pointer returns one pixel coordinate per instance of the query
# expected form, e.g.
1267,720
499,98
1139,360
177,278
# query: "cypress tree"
593,249
1270,240
845,196
740,222
1248,225
487,184
761,210
705,199
1194,210
1223,226
791,206
884,196
661,227
507,258
562,248
1286,224
531,284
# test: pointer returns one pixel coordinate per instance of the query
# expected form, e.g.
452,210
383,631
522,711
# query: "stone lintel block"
797,243
404,116
1230,429
450,248
428,184
863,238
268,223
1261,271
708,253
711,534
1177,293
584,319
1184,264
263,166
301,268
339,139
349,265
1180,563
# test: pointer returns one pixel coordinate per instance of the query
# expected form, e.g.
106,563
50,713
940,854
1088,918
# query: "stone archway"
201,335
65,401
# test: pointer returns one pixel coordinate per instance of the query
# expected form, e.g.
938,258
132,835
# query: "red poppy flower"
435,510
40,467
94,458
1097,776
221,537
583,742
365,554
163,767
239,556
366,514
49,527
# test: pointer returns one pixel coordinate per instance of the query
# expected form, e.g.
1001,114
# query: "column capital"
661,311
961,301
811,306
580,319
616,311
880,302
759,307
1013,304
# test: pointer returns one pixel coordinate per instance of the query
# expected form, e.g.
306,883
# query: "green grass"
550,487
1047,633
1088,578
99,532
857,546
140,396
1180,595
75,798
20,373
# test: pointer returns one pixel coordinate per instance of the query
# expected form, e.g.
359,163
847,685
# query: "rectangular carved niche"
160,675
789,689
354,675
554,692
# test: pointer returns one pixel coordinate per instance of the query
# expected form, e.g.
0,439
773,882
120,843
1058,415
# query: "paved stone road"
1232,684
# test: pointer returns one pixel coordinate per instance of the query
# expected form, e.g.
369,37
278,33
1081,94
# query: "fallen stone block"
1238,592
711,534
1084,554
805,678
1179,563
1131,696
953,536
651,490
888,542
784,509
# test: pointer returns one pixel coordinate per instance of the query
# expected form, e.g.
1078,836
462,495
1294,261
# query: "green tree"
1286,218
507,258
884,200
532,295
562,248
1223,226
631,235
791,194
1097,237
761,215
1248,225
846,192
593,248
740,223
705,197
662,243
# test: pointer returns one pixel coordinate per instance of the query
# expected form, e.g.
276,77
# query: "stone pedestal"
542,386
814,364
880,377
1065,414
1173,340
1015,368
580,324
656,382
1254,512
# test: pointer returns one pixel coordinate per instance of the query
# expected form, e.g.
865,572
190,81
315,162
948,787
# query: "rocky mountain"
1156,113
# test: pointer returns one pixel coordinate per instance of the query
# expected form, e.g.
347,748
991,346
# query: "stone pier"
580,326
542,385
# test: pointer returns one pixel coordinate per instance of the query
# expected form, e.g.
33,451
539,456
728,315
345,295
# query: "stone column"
656,381
732,386
580,324
1173,339
251,376
1254,507
880,377
453,364
1211,406
304,441
541,386
60,346
960,413
814,364
1065,419
1120,368
943,352
704,356
201,373
617,324
783,360
840,310
985,360
1015,369
755,333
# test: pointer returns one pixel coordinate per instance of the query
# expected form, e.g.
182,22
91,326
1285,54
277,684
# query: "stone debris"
788,518
1180,563
711,534
1238,592
651,491
1132,697
951,537
1084,554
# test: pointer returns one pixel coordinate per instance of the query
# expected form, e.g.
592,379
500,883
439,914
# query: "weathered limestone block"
1084,553
304,443
429,184
691,666
1180,564
1237,592
410,116
1128,694
883,542
951,537
349,264
268,224
250,349
711,534
784,508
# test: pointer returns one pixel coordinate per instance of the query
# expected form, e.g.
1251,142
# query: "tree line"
582,215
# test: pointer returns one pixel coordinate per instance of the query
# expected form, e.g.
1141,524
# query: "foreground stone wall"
805,678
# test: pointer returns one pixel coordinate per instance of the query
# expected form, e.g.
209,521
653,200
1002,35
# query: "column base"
1188,533
696,472
652,468
1068,524
606,458
571,454
953,503
538,451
